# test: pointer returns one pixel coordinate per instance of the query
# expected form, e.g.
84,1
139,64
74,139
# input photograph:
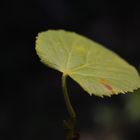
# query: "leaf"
96,69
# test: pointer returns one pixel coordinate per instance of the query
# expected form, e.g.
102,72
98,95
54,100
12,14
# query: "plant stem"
70,124
66,97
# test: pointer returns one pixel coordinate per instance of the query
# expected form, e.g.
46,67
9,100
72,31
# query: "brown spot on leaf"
105,83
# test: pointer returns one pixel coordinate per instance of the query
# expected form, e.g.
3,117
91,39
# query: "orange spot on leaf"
105,83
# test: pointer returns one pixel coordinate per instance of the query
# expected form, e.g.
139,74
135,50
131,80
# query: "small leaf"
96,69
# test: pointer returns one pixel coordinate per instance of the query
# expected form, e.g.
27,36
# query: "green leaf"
96,69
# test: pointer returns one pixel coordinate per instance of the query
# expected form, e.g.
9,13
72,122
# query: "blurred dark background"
31,101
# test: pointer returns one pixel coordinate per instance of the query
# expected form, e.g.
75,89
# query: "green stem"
66,97
70,124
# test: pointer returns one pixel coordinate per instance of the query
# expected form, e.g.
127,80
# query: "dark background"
31,101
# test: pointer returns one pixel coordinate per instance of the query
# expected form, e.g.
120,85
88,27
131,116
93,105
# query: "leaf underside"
96,69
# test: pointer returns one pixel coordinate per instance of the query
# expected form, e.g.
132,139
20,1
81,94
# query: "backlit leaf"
96,69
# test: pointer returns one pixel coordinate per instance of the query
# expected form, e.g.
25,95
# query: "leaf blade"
96,69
